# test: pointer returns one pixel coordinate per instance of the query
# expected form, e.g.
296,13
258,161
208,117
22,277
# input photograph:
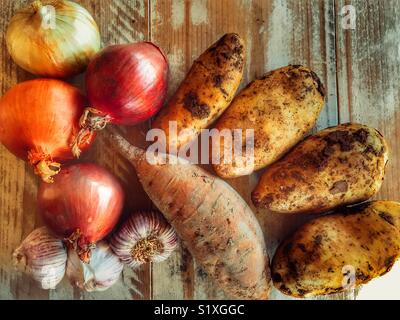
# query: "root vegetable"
281,108
337,166
206,92
214,222
327,254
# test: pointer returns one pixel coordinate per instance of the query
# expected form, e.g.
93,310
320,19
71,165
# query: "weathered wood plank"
276,33
368,59
120,21
299,32
369,73
185,29
172,278
17,188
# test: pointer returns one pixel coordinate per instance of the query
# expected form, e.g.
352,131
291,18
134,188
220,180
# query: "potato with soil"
206,92
281,107
349,247
337,166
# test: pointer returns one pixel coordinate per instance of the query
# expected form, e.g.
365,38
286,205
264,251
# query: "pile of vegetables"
80,209
48,122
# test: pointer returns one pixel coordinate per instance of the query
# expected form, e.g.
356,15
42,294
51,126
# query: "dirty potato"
281,107
206,92
337,166
333,252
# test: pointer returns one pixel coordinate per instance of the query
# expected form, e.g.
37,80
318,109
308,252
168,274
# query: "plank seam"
335,22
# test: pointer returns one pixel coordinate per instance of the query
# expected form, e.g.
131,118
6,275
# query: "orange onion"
39,120
82,206
126,84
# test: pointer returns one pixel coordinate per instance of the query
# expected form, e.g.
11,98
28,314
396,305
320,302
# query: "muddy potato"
206,92
337,166
281,107
353,245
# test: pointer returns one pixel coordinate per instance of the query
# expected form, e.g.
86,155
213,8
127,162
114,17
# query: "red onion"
126,84
39,119
82,205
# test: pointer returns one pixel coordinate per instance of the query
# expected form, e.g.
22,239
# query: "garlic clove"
103,270
75,269
43,257
144,237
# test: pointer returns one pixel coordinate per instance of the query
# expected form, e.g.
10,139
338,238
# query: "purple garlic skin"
43,257
144,237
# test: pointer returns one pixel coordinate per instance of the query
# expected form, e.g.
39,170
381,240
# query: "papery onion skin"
39,120
62,51
82,205
128,82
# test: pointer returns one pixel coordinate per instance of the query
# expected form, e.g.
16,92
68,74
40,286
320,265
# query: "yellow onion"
53,38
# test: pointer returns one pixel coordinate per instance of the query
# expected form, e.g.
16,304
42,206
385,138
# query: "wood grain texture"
276,33
360,69
17,190
368,74
369,77
119,21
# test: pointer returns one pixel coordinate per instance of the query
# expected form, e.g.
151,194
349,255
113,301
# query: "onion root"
146,248
44,166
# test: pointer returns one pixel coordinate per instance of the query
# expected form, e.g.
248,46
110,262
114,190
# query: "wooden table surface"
360,68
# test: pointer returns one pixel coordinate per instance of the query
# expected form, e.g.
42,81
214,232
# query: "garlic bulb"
53,38
144,237
99,274
43,257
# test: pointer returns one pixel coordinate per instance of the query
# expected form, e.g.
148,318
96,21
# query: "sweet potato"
329,253
206,92
281,107
213,221
336,166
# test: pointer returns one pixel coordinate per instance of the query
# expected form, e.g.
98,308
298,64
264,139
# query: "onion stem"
76,242
90,121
